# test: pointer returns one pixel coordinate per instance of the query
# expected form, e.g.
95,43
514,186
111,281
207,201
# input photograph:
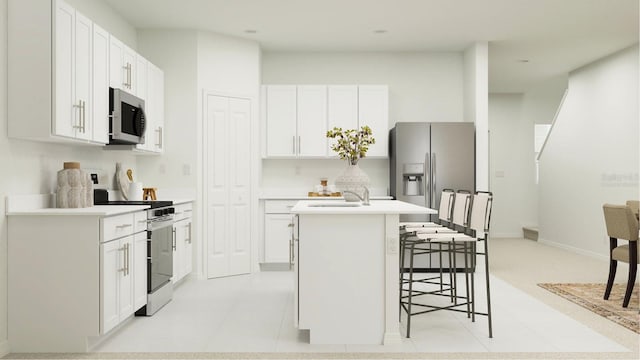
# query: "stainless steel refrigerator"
426,158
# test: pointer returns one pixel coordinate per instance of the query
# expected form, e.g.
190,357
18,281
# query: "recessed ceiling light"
380,31
251,31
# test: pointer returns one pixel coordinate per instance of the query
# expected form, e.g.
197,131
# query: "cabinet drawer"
117,226
279,206
183,211
140,221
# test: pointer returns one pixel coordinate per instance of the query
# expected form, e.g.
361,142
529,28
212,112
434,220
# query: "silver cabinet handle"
122,226
126,75
188,210
129,75
79,107
189,239
127,249
174,240
433,177
427,180
299,144
84,116
159,131
293,140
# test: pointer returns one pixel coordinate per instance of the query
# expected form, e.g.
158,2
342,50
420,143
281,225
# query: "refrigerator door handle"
427,181
433,177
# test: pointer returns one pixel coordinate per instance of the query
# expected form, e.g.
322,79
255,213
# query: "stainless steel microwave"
127,122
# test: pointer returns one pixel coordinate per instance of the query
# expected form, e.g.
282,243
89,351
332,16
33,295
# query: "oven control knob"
172,210
157,213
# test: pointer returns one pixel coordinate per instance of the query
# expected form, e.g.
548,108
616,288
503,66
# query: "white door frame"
254,136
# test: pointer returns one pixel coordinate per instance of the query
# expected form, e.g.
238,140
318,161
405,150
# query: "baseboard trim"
4,347
506,235
574,249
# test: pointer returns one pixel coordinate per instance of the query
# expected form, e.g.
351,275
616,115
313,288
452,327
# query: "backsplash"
297,177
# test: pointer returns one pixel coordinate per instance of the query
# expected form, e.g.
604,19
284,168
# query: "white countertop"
96,210
38,204
376,207
314,198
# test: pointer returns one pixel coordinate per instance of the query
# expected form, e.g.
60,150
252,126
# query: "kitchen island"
346,270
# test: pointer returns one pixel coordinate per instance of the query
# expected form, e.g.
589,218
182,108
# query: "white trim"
574,249
509,235
4,347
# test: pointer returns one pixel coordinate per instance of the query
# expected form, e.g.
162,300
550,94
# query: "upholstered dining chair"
634,205
621,224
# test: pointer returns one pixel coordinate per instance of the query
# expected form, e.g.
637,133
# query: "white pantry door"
227,184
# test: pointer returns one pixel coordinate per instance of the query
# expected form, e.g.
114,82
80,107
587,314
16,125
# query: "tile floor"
253,313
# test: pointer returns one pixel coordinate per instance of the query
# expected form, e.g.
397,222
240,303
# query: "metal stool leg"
486,264
466,279
410,292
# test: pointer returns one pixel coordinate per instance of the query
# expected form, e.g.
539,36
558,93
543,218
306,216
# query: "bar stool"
464,242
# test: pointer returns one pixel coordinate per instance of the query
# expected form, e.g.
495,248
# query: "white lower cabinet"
117,281
182,243
278,224
123,270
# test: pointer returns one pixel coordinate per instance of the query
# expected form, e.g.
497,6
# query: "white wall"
231,66
423,86
512,159
30,167
476,98
192,62
592,154
176,53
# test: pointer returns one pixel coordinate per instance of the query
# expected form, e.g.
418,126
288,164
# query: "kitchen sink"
350,204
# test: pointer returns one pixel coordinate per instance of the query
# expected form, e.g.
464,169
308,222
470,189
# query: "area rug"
590,296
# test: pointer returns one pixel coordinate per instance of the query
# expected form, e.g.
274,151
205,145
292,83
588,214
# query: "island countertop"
310,207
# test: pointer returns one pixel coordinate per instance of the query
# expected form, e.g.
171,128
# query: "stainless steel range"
160,244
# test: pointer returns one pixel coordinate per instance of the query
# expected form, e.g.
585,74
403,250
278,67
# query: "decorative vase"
352,179
75,188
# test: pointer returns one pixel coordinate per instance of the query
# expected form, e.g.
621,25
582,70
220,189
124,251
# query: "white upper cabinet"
100,95
281,120
53,69
298,117
74,34
342,109
312,121
141,77
123,64
373,111
154,107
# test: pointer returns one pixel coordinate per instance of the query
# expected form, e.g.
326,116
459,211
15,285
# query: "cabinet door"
342,109
281,120
83,38
154,109
65,119
130,61
109,290
373,111
141,77
139,270
100,96
277,238
116,66
312,121
126,278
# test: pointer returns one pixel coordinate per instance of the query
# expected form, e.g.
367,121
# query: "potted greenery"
352,145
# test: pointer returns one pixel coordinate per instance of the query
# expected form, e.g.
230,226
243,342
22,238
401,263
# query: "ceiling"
554,36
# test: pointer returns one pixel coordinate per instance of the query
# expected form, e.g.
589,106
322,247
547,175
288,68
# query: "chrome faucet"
364,199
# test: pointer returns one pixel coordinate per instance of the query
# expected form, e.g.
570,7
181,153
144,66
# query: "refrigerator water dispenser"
412,177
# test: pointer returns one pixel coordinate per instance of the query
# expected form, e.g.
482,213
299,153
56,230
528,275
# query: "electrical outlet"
186,169
297,170
162,169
